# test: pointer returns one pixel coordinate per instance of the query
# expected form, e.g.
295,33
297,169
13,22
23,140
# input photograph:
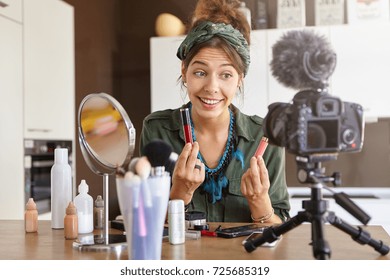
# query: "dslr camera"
315,123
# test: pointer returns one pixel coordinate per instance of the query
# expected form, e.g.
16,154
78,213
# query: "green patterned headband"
206,30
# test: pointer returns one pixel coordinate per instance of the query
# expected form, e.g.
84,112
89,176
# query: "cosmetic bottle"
98,213
247,13
84,204
31,216
176,223
71,222
260,20
61,187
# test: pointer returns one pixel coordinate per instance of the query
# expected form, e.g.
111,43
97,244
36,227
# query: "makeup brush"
158,153
138,225
142,167
171,163
132,164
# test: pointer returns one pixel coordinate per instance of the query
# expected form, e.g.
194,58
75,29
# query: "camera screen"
323,135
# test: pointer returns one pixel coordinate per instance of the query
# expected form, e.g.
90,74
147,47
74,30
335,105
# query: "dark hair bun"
222,11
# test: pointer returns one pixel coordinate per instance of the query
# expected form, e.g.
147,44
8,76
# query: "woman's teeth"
209,101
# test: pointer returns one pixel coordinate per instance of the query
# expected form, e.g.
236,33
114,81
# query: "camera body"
315,122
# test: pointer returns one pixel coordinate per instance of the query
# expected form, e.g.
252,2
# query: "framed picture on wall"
329,12
361,11
290,13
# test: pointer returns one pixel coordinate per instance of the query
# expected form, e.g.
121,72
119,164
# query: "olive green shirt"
233,207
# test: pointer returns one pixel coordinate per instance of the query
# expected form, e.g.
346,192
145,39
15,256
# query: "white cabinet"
36,87
49,75
11,119
363,59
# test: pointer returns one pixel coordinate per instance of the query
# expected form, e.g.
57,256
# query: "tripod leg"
272,233
321,249
316,207
358,234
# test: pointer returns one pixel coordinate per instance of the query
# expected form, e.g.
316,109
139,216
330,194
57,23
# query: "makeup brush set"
143,194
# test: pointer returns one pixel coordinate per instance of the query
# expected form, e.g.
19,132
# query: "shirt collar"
243,127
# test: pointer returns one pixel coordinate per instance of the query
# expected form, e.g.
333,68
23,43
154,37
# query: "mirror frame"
90,152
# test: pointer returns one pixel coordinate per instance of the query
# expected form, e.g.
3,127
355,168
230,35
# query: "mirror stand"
107,140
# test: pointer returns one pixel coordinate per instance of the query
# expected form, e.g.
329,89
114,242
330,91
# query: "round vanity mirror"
107,140
105,132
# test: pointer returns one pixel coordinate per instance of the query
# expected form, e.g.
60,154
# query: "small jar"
71,222
31,216
99,213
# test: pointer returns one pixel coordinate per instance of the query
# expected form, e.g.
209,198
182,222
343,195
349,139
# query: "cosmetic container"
84,204
61,187
176,223
71,222
31,216
98,213
246,12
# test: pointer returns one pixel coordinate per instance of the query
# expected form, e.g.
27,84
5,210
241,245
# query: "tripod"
316,213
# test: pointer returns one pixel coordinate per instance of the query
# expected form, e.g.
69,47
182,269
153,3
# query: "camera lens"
274,123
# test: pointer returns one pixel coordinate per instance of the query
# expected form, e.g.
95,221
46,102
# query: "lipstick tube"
262,146
208,233
185,118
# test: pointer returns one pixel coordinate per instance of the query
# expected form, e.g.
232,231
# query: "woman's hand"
188,175
254,187
255,182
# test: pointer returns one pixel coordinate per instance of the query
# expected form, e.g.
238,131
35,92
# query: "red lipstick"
185,118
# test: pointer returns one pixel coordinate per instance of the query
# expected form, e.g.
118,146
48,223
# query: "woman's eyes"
203,74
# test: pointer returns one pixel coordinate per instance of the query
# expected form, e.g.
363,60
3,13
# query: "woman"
218,173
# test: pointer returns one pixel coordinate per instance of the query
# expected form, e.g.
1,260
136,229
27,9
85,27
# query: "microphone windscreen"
302,59
157,152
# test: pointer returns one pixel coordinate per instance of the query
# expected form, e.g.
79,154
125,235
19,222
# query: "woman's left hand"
255,181
254,186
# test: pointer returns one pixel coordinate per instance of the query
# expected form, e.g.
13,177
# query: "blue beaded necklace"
215,180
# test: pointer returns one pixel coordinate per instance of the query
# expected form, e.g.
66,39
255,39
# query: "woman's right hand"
186,178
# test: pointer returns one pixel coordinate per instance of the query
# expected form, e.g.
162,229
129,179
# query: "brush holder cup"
143,205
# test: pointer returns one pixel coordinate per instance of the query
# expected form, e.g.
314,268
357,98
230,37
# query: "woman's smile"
210,101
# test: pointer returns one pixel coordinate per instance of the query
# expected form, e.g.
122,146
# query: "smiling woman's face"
212,82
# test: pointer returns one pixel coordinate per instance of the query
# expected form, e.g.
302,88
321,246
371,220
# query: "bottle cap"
61,155
71,209
99,202
83,187
176,206
31,204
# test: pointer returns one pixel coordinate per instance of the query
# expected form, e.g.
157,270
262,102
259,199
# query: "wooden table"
50,244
